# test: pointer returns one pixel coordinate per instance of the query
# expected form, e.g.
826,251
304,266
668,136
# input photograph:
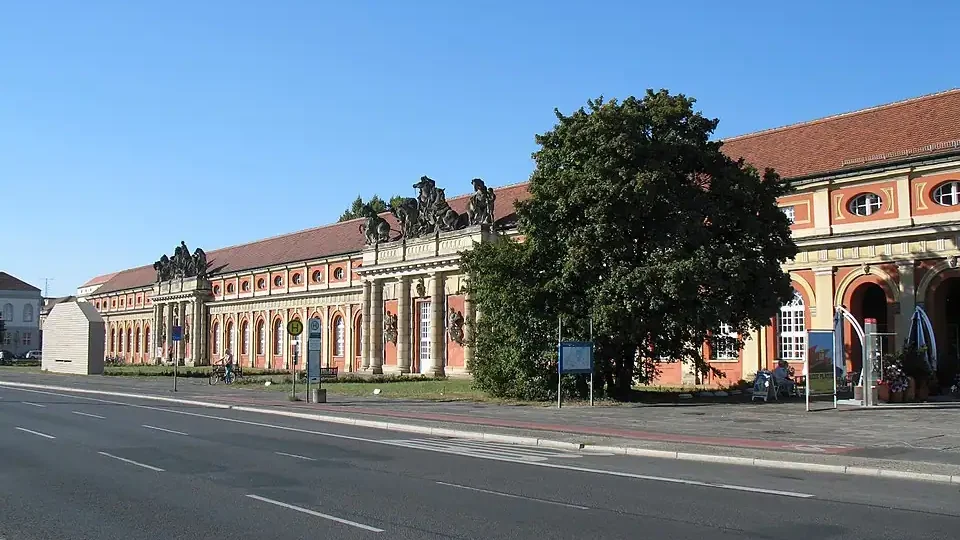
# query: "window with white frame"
865,204
791,330
425,314
723,343
27,338
28,313
947,194
788,211
8,312
216,338
340,337
277,337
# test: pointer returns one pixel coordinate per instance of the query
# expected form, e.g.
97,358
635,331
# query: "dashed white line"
164,429
295,456
317,514
36,433
512,496
132,462
88,414
589,470
34,404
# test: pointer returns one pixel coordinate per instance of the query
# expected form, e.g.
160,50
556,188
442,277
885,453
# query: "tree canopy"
638,221
375,202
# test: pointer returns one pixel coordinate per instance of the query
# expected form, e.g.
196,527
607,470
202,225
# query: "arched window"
261,338
146,340
28,313
229,336
113,339
865,204
216,338
791,330
120,341
277,337
339,336
244,337
129,339
8,312
947,194
137,344
357,336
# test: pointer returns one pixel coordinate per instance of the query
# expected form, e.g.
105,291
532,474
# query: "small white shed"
73,339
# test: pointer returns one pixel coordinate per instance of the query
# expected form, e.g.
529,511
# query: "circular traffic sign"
315,325
295,327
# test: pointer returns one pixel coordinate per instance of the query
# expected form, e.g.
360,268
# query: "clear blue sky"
125,128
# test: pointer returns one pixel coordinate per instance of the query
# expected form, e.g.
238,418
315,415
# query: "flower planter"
896,397
923,391
883,392
911,393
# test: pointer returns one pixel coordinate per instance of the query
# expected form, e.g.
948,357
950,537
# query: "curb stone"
531,441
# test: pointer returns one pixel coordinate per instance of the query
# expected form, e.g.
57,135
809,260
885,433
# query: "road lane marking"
132,462
387,442
512,496
164,429
34,404
294,456
36,433
88,414
317,514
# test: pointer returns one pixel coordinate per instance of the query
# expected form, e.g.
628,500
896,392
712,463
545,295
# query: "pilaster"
168,326
365,343
823,289
403,326
908,300
437,326
469,322
376,323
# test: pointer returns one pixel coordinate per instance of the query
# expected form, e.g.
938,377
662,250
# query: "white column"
376,328
403,326
365,344
168,342
438,340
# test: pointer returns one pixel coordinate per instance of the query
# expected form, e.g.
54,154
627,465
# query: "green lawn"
393,388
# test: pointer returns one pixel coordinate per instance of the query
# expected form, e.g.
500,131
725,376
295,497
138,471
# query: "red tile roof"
921,126
326,241
99,279
10,283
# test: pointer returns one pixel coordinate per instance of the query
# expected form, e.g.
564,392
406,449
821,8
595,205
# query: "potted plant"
914,364
895,380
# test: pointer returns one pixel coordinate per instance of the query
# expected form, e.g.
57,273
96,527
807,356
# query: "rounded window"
947,194
317,276
216,289
338,273
296,279
865,204
245,286
261,283
230,287
277,281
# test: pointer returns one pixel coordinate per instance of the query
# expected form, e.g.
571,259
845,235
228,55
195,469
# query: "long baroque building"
875,212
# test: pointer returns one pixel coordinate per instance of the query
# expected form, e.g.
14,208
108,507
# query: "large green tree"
638,222
375,202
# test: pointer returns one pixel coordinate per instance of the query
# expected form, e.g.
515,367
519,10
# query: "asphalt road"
89,467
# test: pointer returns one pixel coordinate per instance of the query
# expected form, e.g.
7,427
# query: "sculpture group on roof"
429,213
182,264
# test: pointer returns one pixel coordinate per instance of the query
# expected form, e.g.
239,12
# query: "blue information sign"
177,333
576,357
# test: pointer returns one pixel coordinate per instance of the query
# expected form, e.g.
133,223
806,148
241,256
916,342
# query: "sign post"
820,366
313,354
177,335
295,328
573,357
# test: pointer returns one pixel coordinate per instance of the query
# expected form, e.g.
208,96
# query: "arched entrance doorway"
868,300
943,307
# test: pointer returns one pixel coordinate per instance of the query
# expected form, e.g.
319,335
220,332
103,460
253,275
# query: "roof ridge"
890,105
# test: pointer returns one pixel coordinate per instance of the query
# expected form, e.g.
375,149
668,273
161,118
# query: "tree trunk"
624,377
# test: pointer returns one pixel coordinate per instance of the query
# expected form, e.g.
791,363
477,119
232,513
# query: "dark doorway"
869,301
946,321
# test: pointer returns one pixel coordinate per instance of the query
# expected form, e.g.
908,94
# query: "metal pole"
294,371
175,362
559,372
308,369
591,361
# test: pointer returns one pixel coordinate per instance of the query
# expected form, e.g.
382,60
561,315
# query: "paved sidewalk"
927,435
